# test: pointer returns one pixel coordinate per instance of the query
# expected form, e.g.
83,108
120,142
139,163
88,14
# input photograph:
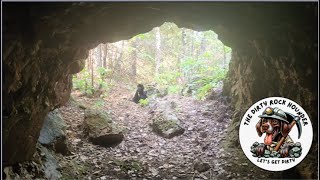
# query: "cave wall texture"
275,53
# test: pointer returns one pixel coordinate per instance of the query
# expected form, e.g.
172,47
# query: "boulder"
216,92
153,91
165,121
75,103
44,165
51,165
53,133
167,125
100,129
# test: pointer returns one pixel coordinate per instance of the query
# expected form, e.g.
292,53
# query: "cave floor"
144,155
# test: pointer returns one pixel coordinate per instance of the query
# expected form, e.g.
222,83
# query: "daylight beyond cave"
171,57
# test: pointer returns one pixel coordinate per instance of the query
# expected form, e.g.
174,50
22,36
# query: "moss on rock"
165,127
100,129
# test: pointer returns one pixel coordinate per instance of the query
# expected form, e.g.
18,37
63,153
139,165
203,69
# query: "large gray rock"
154,91
53,133
100,129
51,166
167,128
216,92
44,165
165,122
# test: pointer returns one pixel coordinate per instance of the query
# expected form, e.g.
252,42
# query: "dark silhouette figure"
140,94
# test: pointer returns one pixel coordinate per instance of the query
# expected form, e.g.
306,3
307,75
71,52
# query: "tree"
134,60
169,55
158,50
92,63
183,54
105,55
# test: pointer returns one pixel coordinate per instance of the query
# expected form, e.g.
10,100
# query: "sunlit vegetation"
173,58
143,102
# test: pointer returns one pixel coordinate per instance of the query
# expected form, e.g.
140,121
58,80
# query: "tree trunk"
104,56
224,64
119,59
112,61
158,50
134,61
100,55
110,56
202,45
183,56
91,60
192,45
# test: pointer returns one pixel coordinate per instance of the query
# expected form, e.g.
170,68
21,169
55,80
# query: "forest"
172,58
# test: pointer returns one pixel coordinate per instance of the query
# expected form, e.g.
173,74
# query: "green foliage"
189,63
143,102
207,54
129,165
141,36
227,49
208,82
163,124
188,58
74,168
99,103
203,91
167,78
102,84
83,81
147,56
174,89
90,91
79,83
103,72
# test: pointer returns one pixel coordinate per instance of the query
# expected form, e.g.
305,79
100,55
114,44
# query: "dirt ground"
143,154
201,152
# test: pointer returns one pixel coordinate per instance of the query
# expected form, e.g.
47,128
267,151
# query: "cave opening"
177,60
182,71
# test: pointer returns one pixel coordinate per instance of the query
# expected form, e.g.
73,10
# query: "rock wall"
282,63
36,79
287,68
274,53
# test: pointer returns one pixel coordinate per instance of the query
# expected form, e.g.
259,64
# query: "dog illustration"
274,123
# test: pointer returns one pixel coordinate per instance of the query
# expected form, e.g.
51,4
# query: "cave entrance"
181,122
176,60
